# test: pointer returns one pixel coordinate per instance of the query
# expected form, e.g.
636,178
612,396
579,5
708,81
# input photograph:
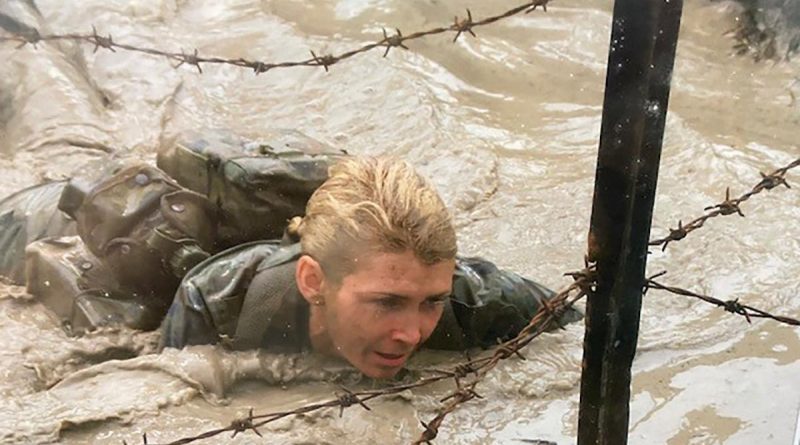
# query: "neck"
318,333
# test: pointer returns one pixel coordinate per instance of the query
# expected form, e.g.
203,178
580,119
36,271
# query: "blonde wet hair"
378,205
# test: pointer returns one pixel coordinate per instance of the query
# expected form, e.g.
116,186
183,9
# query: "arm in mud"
489,305
188,321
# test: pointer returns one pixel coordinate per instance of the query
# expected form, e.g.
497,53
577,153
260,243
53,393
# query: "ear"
310,279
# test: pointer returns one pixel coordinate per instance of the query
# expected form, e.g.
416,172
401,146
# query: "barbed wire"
728,206
466,392
732,306
460,26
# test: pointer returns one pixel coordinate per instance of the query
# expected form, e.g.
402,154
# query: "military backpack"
257,186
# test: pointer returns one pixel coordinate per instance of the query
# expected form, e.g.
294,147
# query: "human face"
384,310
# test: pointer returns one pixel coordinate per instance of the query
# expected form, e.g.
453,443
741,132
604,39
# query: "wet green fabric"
146,228
208,304
233,299
257,185
26,216
81,291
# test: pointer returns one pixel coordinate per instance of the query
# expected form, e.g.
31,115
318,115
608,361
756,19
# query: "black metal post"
643,41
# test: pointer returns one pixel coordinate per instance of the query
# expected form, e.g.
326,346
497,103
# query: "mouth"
391,360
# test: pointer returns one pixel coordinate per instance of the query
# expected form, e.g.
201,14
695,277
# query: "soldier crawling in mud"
369,273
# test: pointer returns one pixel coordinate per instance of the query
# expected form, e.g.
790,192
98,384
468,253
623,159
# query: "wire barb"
102,42
244,424
323,61
463,370
536,4
586,278
349,399
506,350
734,307
555,313
675,235
771,181
462,394
728,206
429,433
189,59
392,41
464,25
261,67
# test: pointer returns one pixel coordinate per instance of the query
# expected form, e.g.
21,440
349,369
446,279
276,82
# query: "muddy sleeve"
494,305
208,304
188,321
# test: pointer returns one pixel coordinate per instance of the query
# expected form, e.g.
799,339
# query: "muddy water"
507,127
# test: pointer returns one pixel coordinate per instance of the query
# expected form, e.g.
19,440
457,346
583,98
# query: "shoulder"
216,287
270,314
213,296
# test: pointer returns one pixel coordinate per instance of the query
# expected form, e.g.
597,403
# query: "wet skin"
379,314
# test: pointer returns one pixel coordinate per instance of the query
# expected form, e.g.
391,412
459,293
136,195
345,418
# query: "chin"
381,373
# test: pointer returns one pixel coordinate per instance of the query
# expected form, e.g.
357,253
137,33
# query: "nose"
409,331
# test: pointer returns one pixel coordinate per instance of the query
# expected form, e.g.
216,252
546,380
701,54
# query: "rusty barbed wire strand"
729,206
732,306
474,370
31,36
585,280
464,391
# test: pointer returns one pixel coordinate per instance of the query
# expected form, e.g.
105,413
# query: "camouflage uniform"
26,216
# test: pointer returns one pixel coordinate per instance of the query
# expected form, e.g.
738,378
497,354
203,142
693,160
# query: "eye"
435,302
388,303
